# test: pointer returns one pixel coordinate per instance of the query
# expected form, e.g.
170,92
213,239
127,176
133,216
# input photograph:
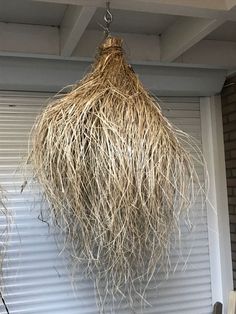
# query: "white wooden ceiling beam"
74,23
215,5
44,41
38,74
230,3
34,41
183,34
199,8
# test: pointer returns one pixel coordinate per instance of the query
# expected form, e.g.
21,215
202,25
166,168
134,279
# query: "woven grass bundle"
115,173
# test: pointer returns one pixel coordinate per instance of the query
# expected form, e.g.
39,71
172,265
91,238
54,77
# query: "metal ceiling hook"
108,19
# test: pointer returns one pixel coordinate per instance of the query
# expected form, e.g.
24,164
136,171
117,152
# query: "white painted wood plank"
230,3
35,74
34,41
200,8
73,26
29,38
212,52
183,34
217,202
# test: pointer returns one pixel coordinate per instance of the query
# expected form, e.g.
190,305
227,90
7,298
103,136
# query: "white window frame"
217,201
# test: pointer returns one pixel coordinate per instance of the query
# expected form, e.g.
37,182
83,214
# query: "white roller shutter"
36,278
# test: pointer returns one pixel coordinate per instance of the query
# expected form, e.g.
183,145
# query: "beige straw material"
115,172
6,221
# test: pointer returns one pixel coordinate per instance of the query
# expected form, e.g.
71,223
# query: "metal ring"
108,17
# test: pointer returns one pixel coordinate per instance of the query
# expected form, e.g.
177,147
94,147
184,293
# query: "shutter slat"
36,276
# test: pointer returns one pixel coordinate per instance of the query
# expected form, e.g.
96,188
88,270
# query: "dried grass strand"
6,221
116,174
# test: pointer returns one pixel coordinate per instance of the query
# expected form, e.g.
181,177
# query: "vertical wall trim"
217,203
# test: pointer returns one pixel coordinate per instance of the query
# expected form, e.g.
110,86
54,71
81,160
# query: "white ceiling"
28,12
70,28
124,21
226,32
133,22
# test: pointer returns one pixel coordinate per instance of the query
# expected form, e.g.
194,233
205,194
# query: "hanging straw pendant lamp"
116,174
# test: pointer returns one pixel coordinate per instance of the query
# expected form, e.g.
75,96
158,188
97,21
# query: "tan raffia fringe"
116,174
